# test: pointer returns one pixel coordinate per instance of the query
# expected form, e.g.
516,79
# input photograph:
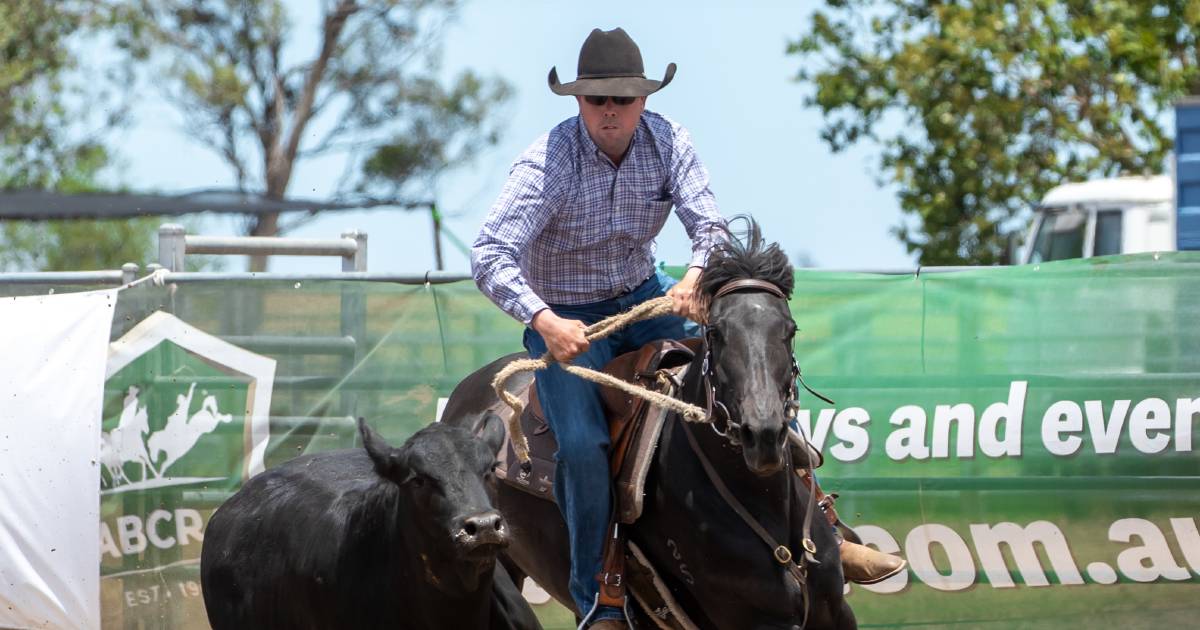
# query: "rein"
781,553
654,308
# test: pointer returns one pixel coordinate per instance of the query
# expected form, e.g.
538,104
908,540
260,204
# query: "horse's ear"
491,431
387,460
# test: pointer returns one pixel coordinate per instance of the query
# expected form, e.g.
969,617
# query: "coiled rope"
601,329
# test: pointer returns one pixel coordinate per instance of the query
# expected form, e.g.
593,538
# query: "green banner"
1024,436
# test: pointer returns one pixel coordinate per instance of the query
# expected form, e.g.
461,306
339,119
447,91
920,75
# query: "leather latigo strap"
824,501
612,569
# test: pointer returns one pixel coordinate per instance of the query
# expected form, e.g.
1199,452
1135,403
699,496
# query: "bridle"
717,412
798,569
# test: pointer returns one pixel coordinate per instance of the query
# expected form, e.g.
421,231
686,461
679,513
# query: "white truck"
1125,215
1122,215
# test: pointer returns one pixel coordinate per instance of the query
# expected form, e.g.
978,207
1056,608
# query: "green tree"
41,105
981,106
81,244
36,150
368,89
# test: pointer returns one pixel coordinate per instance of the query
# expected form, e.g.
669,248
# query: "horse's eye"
418,481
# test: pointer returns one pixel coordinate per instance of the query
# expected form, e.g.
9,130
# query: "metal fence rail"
174,244
112,277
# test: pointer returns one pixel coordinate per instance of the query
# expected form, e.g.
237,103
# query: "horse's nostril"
747,435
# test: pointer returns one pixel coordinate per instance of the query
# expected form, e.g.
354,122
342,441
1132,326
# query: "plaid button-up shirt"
569,227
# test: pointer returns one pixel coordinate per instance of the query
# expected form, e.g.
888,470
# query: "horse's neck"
690,524
763,497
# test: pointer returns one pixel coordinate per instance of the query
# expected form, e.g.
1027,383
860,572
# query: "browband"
749,283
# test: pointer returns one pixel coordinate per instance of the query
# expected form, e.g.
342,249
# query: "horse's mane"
744,257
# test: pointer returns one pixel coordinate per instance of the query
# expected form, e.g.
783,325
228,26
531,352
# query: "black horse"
719,569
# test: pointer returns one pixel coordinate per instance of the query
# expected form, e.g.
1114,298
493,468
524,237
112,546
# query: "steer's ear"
491,431
387,460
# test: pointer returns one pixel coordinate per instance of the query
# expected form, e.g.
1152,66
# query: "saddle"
634,428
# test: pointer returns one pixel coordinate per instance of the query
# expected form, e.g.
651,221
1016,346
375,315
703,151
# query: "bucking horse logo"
132,443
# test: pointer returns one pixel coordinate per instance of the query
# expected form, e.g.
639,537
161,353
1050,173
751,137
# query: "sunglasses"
599,101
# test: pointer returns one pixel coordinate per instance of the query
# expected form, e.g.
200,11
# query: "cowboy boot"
860,563
864,565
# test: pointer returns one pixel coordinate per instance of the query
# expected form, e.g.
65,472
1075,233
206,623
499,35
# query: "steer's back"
292,547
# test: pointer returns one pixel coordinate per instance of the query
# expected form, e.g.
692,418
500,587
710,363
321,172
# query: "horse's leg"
844,618
539,541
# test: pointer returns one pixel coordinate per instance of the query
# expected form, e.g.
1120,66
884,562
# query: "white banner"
51,388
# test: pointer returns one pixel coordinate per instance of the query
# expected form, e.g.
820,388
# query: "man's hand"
564,337
683,294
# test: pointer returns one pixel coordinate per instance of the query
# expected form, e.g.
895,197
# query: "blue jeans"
574,411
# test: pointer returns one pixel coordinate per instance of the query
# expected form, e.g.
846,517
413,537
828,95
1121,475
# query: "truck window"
1059,237
1108,233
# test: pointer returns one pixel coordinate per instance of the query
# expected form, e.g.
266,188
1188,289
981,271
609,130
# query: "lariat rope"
601,329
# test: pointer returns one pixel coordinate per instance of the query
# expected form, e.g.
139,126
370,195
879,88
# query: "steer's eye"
490,472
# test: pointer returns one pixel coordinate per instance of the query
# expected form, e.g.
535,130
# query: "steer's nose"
486,528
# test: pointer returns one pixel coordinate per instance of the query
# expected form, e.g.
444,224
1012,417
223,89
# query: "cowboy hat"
610,64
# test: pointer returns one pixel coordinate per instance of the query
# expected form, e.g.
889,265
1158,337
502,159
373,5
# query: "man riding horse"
570,242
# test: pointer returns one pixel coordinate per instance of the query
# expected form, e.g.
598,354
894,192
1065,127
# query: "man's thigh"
573,405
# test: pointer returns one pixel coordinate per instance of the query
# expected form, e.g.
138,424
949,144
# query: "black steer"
378,537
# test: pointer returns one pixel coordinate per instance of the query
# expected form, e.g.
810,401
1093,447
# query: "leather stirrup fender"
824,501
611,578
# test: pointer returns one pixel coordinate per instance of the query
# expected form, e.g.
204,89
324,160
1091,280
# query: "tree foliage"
367,88
77,245
50,139
981,106
37,149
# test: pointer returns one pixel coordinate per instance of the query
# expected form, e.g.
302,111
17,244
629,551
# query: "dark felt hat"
610,64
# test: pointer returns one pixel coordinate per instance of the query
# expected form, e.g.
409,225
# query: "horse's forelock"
745,257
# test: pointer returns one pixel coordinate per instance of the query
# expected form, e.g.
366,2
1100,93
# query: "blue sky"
733,91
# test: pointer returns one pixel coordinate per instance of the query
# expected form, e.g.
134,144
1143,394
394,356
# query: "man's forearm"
505,286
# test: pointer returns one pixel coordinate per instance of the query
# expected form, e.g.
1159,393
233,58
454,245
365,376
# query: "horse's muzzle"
764,461
763,447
